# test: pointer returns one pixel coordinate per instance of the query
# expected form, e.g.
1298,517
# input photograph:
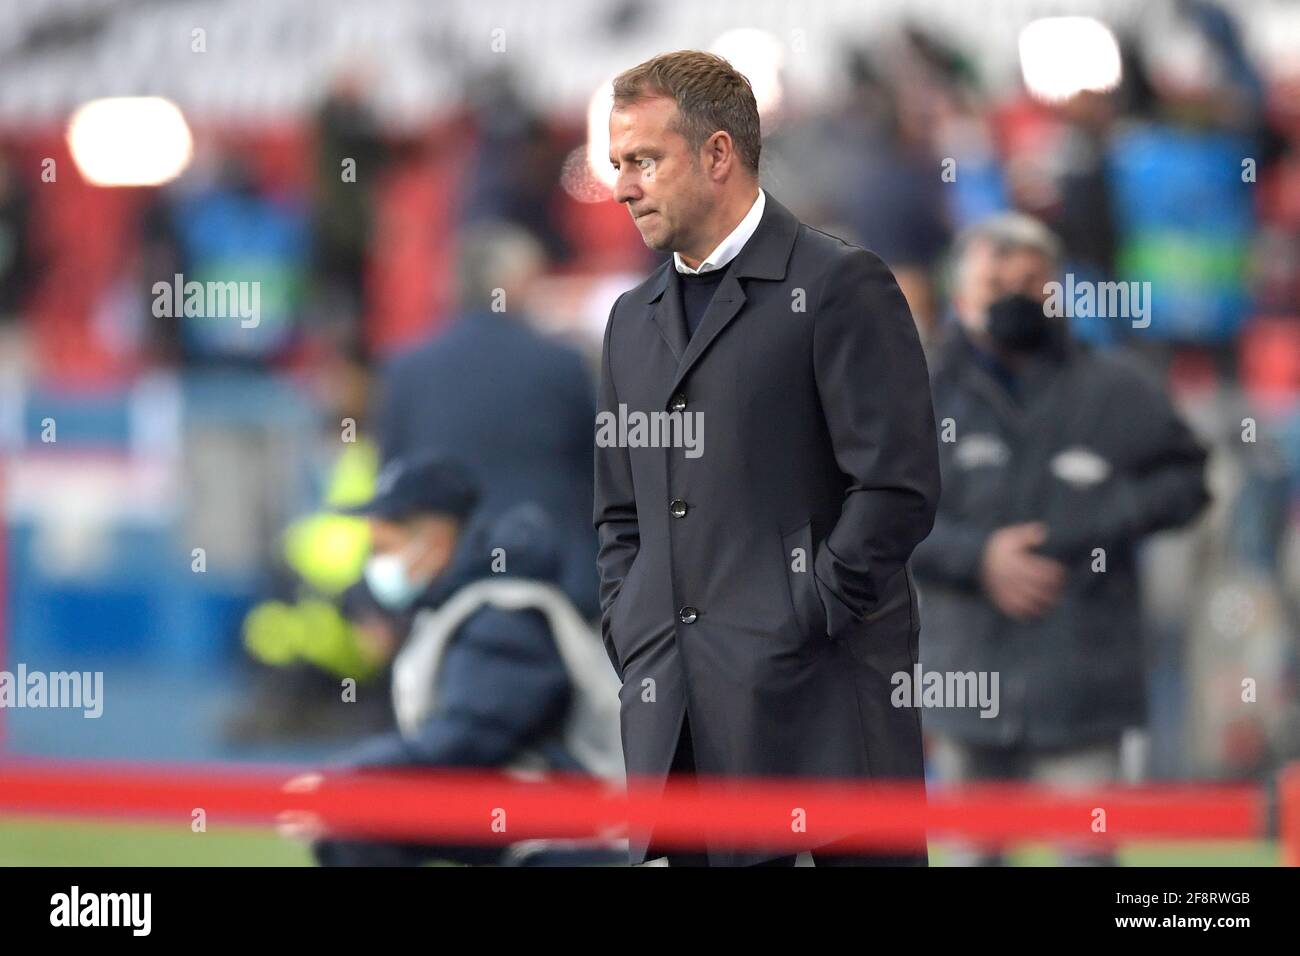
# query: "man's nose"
626,188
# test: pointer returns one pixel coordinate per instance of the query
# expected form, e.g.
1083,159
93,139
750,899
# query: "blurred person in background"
513,404
223,224
891,203
865,170
1180,222
16,260
499,670
350,156
321,624
1057,461
516,165
17,266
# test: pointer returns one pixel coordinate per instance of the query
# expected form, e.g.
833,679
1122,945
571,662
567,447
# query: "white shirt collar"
730,247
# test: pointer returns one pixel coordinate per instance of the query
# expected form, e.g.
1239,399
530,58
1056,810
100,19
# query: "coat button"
687,615
677,403
677,508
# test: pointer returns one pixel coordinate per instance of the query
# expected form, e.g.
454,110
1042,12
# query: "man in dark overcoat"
766,462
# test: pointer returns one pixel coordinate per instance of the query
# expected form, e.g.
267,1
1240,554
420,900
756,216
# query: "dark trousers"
684,763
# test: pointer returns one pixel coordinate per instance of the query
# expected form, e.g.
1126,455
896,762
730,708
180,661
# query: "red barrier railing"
493,808
1289,814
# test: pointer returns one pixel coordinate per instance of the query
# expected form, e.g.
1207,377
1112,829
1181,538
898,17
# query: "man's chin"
657,243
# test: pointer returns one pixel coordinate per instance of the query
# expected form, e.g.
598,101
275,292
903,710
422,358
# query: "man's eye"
645,163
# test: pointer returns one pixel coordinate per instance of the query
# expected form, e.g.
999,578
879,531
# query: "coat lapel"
726,305
666,311
765,256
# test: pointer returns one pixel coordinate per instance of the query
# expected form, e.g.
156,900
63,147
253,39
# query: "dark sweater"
697,293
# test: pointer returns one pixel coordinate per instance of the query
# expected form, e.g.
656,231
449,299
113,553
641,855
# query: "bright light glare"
759,55
579,180
129,141
1063,56
602,101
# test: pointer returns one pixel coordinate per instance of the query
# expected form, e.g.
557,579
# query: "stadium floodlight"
1061,57
130,141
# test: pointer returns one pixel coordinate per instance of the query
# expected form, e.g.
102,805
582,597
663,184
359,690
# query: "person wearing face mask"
498,669
1056,461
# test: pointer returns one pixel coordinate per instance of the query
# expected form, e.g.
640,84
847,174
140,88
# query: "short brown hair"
710,94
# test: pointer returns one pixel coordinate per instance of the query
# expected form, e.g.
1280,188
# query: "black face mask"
1016,323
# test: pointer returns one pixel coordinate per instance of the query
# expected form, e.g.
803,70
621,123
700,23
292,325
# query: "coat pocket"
805,602
616,624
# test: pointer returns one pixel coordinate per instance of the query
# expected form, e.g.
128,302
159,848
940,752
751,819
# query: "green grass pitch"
35,841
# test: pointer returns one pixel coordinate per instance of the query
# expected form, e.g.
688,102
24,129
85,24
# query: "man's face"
660,177
988,272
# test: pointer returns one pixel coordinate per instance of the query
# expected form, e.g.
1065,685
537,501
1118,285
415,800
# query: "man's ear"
721,153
